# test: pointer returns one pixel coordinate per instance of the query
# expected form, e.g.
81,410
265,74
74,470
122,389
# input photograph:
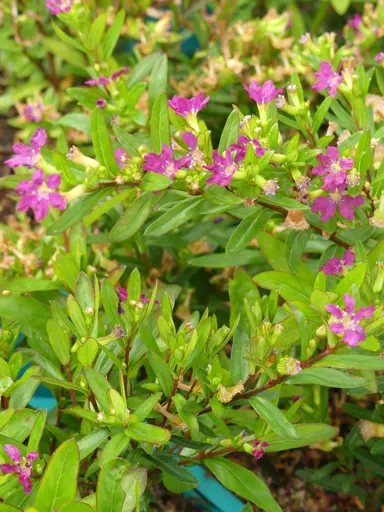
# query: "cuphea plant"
187,296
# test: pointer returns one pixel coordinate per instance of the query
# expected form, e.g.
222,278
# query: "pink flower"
121,157
327,78
185,106
262,93
223,168
164,163
379,57
22,466
270,187
258,449
242,145
101,103
28,155
333,169
355,21
327,206
195,155
123,296
104,80
33,111
335,266
37,196
347,323
58,6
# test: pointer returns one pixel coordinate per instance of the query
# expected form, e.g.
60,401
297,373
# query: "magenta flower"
101,103
270,187
259,449
164,163
379,57
223,168
22,466
33,111
242,145
104,80
185,106
58,6
333,169
347,323
262,93
37,196
335,266
327,78
355,21
28,155
121,157
326,206
123,296
195,155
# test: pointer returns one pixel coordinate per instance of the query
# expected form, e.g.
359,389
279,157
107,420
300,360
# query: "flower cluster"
22,466
336,266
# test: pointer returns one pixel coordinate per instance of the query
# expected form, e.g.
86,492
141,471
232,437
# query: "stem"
125,376
279,380
173,392
72,393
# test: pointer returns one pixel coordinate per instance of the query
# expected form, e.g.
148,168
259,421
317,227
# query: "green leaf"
86,97
308,433
340,6
160,133
247,230
352,361
145,408
294,247
243,482
175,216
272,415
77,121
114,447
102,142
220,195
37,432
110,302
174,485
321,112
174,470
108,205
59,340
87,353
27,285
230,133
62,50
92,441
100,387
134,217
239,356
142,69
97,31
66,269
162,372
158,80
284,202
77,210
75,506
67,39
112,36
354,277
76,314
110,496
290,287
62,384
154,181
217,260
327,377
84,292
27,311
143,432
59,482
128,142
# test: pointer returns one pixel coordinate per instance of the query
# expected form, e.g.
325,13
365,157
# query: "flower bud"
79,158
379,281
288,366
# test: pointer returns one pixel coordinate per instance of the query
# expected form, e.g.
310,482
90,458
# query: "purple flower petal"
351,338
53,181
13,452
326,206
39,139
38,177
332,267
337,328
346,164
350,304
349,257
41,209
190,140
32,456
56,200
335,311
8,468
347,205
364,313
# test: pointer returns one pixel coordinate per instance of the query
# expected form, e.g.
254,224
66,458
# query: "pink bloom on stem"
28,155
33,111
101,103
185,106
121,157
262,93
104,80
326,206
242,145
37,196
327,78
22,466
335,266
270,187
379,57
164,163
223,168
195,155
347,323
58,6
259,449
333,169
355,21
